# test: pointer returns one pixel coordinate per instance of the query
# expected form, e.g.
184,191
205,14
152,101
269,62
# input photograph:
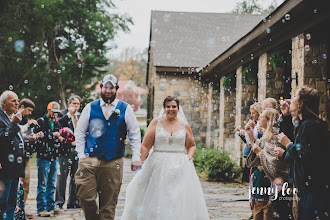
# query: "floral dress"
20,205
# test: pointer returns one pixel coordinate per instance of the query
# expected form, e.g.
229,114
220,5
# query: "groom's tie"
107,111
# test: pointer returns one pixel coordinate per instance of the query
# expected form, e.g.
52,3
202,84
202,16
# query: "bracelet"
288,144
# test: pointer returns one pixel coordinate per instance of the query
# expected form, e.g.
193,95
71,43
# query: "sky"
140,11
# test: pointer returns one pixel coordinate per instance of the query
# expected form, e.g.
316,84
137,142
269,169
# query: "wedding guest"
309,153
47,152
12,164
255,111
27,106
263,154
262,192
263,149
269,103
69,160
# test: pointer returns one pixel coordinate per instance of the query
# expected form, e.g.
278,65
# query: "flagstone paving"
224,201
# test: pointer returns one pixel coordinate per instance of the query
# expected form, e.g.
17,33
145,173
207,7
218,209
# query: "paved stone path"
223,202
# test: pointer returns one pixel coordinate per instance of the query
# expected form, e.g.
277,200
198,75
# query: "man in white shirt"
100,143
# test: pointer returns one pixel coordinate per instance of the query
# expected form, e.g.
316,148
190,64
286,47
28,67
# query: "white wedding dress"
167,187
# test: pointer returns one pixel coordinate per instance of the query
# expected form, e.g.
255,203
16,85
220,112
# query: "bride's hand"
190,157
136,165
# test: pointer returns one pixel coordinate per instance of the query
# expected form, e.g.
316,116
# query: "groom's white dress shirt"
133,129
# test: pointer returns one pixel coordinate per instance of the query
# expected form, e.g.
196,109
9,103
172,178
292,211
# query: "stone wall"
245,97
310,64
298,67
229,123
214,112
263,68
196,99
221,116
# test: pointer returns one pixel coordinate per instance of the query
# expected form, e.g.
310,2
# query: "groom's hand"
135,164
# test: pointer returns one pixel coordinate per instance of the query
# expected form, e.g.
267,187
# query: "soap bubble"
307,48
287,17
19,46
19,159
11,158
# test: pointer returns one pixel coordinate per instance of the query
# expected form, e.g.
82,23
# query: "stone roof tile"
190,39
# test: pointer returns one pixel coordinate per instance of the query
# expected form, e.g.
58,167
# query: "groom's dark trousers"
99,177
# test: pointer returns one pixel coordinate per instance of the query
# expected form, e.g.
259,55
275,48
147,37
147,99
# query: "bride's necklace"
174,119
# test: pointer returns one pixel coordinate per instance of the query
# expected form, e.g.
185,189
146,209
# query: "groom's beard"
108,99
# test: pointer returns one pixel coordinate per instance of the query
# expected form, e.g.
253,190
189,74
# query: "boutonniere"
116,112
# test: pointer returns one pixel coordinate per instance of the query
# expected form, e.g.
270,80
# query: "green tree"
130,65
255,7
64,46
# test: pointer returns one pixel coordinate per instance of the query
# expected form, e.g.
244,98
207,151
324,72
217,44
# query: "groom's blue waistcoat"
106,136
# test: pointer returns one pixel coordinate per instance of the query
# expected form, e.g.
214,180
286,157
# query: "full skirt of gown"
166,188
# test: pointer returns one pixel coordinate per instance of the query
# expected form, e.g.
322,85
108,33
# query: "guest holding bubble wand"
263,154
309,153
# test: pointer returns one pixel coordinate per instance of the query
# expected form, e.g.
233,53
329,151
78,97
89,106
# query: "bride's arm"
190,143
148,140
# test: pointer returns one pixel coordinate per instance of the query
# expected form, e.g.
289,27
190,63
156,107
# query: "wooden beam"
257,42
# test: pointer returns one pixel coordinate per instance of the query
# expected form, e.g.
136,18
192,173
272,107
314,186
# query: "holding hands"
136,165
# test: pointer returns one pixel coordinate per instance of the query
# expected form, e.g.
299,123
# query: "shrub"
280,58
229,82
215,165
249,73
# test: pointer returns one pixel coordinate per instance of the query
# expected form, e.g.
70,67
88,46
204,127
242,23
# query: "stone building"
180,44
296,30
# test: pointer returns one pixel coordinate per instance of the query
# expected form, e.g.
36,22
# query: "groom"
100,143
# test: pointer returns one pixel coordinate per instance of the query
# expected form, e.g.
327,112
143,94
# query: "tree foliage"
131,65
254,7
64,46
229,82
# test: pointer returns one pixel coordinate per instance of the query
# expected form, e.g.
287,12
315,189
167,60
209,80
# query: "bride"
167,187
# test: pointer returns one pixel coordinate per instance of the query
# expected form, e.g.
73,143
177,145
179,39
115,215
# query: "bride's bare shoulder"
153,122
188,128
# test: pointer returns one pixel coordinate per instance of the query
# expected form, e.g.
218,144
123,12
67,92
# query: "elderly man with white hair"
12,153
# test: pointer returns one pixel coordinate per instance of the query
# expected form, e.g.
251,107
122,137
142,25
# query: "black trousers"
314,205
68,165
